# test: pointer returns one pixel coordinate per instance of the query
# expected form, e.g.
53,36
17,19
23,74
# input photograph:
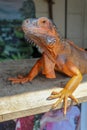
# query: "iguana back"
76,55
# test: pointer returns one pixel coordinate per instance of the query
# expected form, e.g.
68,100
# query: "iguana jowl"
57,55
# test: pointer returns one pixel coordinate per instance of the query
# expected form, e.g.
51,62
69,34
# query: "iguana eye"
27,21
44,21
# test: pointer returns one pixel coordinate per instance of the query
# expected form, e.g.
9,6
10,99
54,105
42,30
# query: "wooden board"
28,99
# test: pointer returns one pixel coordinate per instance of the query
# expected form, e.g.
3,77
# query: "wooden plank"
23,100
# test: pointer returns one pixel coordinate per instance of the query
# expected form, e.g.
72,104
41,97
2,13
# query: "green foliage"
12,42
18,34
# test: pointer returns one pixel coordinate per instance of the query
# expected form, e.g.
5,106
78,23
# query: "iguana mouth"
36,41
41,42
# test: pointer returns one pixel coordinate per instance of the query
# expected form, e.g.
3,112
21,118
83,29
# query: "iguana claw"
21,80
63,95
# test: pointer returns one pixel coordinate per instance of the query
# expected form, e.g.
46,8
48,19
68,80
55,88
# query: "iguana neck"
55,48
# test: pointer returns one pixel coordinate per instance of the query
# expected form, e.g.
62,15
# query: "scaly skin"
57,54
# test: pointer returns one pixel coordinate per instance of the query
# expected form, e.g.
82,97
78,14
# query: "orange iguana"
57,55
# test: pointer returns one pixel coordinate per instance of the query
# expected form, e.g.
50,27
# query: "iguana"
57,55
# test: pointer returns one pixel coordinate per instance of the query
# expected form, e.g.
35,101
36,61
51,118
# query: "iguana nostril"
27,21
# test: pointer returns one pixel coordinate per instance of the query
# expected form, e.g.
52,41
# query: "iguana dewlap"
57,54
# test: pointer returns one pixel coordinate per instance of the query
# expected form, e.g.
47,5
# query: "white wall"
59,15
41,8
77,22
74,25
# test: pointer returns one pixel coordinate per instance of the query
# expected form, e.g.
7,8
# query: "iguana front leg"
44,64
33,72
70,87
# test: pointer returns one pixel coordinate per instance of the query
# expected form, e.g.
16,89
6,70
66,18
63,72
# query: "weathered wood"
23,100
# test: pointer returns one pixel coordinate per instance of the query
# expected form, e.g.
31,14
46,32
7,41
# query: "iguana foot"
62,95
19,79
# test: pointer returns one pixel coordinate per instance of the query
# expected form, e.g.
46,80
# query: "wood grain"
28,99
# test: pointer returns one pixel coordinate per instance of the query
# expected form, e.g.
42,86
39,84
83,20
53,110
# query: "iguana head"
42,31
